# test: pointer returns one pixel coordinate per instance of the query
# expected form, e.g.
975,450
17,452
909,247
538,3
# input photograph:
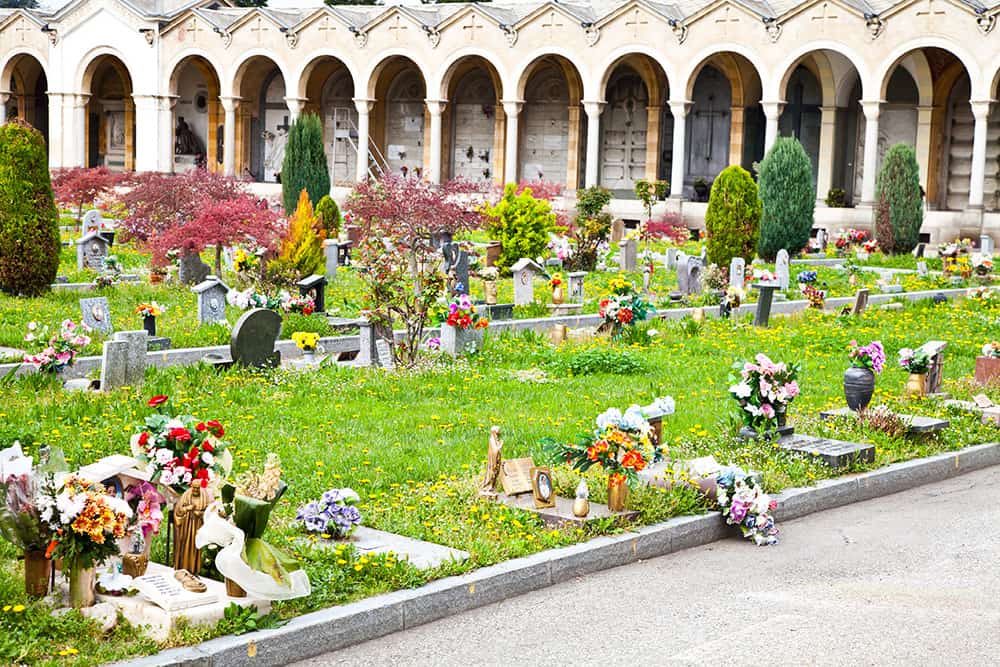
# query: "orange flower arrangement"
86,522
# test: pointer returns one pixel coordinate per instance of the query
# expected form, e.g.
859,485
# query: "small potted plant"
859,380
917,362
490,275
558,294
306,341
157,275
988,363
333,515
149,311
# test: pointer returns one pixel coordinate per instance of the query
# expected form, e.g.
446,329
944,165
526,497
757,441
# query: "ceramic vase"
916,385
82,587
37,570
617,496
859,385
558,295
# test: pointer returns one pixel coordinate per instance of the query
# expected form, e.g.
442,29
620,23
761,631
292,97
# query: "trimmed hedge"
733,217
788,197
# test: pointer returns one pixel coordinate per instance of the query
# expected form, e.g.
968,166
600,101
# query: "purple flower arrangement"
745,504
870,356
334,514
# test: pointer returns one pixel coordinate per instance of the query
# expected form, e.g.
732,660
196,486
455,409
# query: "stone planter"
456,341
37,570
859,385
987,369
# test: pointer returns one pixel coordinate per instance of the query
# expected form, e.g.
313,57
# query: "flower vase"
309,356
149,324
781,414
859,385
82,585
490,292
617,495
37,570
558,295
234,590
916,385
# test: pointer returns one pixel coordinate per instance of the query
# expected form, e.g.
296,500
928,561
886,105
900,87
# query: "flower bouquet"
815,297
151,309
248,299
556,283
764,276
982,264
992,350
62,348
624,307
298,304
744,504
917,363
243,261
461,326
763,391
334,514
870,246
181,451
306,340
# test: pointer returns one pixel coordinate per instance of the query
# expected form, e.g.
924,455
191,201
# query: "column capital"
295,104
80,100
830,109
363,104
512,107
981,108
680,108
871,108
593,107
436,107
230,104
772,108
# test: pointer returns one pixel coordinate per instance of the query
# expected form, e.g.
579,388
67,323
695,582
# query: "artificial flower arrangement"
335,514
21,521
151,309
916,362
146,504
957,265
104,280
180,451
764,276
815,297
489,274
763,391
846,238
623,307
243,261
984,294
556,280
85,520
560,246
955,248
992,349
306,340
249,298
870,246
744,504
870,356
807,276
62,348
461,314
298,304
982,264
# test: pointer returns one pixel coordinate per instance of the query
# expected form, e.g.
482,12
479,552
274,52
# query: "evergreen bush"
328,214
305,166
521,223
29,227
788,198
301,252
898,189
733,217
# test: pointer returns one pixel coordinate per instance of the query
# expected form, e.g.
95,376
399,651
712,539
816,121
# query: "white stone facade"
580,94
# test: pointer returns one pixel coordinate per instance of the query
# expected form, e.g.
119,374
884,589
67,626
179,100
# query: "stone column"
363,106
80,129
737,123
436,109
653,116
573,148
871,108
923,144
165,107
4,98
295,106
827,139
772,112
981,112
512,109
56,132
593,110
229,106
679,109
148,133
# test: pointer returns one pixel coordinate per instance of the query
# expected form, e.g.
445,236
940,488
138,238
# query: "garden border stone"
336,628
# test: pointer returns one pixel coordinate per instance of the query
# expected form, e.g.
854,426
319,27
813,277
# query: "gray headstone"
922,269
211,300
253,339
671,259
524,271
96,314
935,350
765,295
384,353
331,249
114,362
192,270
860,302
366,338
821,239
986,244
737,272
645,284
694,275
456,266
629,252
574,283
91,251
781,268
134,358
91,222
704,255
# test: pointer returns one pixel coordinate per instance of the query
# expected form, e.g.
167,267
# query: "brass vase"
234,590
490,292
558,295
916,385
37,570
617,496
82,587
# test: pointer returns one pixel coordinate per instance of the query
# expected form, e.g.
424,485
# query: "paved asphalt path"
909,579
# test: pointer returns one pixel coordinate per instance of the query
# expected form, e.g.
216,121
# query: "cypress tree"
898,190
788,197
304,167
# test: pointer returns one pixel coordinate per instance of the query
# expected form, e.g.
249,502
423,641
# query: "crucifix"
711,114
283,126
472,27
326,29
635,22
396,28
259,29
193,29
21,29
930,12
552,25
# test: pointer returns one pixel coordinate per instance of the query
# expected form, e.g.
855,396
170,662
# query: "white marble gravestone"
737,272
524,271
781,269
628,254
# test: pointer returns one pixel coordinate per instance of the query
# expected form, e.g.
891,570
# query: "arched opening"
636,125
473,121
725,123
262,121
399,119
551,128
109,121
801,116
329,89
198,116
28,88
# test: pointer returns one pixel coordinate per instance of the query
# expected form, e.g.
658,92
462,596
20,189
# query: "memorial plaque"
169,594
834,453
384,353
515,475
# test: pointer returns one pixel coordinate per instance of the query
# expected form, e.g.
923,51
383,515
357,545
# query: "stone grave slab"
916,423
11,354
421,555
834,453
565,309
562,513
498,311
157,343
97,314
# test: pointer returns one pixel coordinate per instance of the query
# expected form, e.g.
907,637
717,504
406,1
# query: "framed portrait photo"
542,487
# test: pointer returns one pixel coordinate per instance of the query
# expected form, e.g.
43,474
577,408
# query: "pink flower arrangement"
62,348
146,503
763,390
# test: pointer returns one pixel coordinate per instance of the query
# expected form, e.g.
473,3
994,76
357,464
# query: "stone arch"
108,126
316,64
197,117
551,127
775,87
399,119
474,121
328,86
656,59
456,64
571,68
25,79
722,55
884,70
262,118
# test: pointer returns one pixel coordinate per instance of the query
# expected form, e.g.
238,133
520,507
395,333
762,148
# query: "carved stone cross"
552,25
395,29
471,27
635,22
193,30
260,29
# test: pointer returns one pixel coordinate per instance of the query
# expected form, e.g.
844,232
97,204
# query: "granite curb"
338,627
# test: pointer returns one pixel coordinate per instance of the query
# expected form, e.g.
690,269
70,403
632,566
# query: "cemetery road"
909,579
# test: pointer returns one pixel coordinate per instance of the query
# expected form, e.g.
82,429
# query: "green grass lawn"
412,442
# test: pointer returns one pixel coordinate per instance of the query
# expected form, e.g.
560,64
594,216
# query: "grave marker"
617,230
737,272
211,300
860,302
91,252
574,282
781,269
986,244
114,359
193,271
524,271
935,350
765,295
922,269
315,287
671,258
97,314
456,267
253,339
384,352
834,453
331,251
628,254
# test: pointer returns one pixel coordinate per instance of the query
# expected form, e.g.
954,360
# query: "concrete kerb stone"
601,553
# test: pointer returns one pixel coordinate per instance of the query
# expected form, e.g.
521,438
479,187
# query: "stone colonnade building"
576,93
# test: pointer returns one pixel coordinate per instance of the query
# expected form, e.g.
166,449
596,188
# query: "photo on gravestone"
253,339
91,252
314,287
542,487
96,314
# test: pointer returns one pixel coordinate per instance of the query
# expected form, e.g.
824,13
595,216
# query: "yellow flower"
18,608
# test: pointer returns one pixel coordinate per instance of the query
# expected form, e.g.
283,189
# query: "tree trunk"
218,260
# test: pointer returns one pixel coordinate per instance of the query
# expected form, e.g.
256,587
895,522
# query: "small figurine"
494,458
581,506
135,562
190,582
189,515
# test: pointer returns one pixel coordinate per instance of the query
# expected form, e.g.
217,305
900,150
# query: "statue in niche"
274,149
185,142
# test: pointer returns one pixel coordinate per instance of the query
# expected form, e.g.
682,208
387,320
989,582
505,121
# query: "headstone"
688,275
737,272
617,230
671,259
781,268
331,250
135,359
192,270
682,273
555,263
919,250
765,295
314,287
211,300
935,350
384,352
253,339
91,251
524,271
922,269
860,302
821,239
834,453
628,252
645,284
704,255
91,222
97,314
986,244
114,360
366,338
574,284
456,267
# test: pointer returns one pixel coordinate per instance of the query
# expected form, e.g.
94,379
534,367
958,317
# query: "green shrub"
733,217
301,252
836,198
521,223
589,362
328,214
592,226
305,166
788,198
898,190
29,228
